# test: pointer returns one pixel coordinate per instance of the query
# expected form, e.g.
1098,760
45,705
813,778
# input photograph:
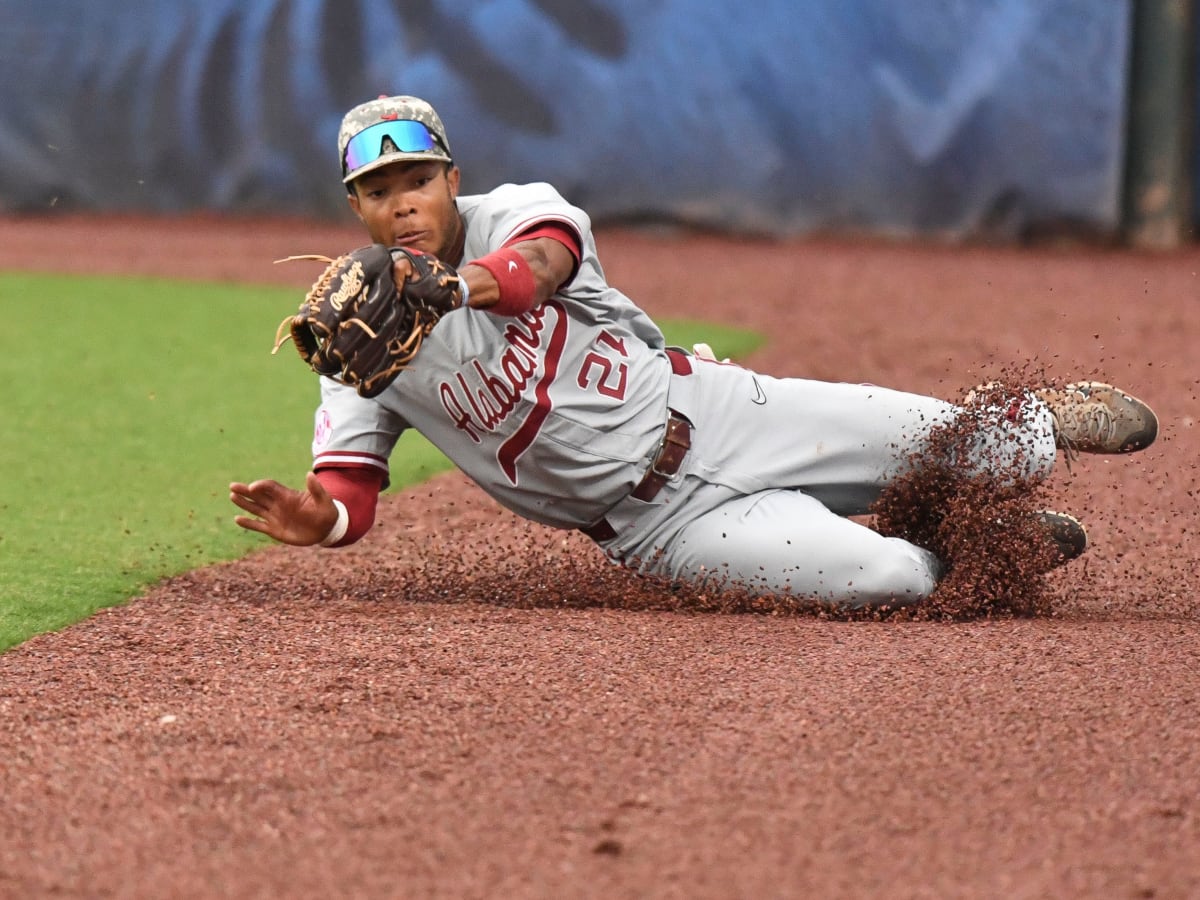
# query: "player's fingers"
265,492
252,524
401,269
250,498
266,487
247,503
313,485
237,489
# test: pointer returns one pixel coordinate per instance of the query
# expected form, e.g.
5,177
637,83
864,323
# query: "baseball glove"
358,326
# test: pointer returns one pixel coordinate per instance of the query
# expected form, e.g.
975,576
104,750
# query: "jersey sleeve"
556,231
514,212
553,230
353,432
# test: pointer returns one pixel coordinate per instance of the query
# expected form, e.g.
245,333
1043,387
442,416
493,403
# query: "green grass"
130,406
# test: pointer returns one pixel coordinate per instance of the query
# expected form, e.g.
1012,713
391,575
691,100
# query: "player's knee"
901,577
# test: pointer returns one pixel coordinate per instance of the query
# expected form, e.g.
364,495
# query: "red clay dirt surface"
515,718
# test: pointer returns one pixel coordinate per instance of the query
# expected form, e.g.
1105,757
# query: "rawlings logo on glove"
357,326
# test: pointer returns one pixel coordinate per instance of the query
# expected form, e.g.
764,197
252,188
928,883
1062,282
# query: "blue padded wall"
929,116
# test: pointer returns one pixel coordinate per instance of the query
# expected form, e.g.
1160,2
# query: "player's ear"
452,179
352,199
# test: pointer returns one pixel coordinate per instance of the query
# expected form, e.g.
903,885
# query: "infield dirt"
520,719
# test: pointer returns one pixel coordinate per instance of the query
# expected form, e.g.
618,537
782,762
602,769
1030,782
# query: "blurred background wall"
953,118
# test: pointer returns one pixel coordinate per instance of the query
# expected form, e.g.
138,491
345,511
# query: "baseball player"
557,395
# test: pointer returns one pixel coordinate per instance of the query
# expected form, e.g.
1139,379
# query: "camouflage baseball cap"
388,130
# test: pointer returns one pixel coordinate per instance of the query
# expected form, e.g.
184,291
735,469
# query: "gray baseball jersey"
555,412
558,413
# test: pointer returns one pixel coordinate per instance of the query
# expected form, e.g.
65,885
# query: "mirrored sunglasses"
367,146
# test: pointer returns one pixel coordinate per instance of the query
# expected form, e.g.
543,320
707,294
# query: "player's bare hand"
301,518
401,268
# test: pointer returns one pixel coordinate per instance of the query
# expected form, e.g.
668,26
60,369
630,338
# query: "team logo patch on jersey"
323,428
480,399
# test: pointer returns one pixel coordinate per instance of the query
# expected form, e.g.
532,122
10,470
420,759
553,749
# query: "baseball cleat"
1066,532
1093,417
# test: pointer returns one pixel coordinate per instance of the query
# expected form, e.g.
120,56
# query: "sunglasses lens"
368,145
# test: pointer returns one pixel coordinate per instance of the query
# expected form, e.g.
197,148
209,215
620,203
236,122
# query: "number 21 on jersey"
605,370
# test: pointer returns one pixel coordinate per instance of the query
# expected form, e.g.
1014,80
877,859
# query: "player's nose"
403,206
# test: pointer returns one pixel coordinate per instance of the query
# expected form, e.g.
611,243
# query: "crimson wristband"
518,289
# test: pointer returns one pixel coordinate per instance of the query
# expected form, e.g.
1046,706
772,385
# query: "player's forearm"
517,278
357,492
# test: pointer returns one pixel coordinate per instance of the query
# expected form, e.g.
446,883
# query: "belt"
677,439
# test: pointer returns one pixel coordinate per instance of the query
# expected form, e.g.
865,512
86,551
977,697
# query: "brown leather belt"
677,439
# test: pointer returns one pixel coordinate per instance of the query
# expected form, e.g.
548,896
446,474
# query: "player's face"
410,205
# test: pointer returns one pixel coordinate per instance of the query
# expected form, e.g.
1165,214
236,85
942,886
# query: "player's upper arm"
553,249
551,263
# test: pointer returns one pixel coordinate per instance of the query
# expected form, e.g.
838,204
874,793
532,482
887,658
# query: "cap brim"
389,158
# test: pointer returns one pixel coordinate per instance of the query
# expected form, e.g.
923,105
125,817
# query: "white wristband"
464,292
338,531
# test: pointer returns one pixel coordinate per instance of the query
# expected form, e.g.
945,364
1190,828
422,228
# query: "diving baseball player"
556,394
